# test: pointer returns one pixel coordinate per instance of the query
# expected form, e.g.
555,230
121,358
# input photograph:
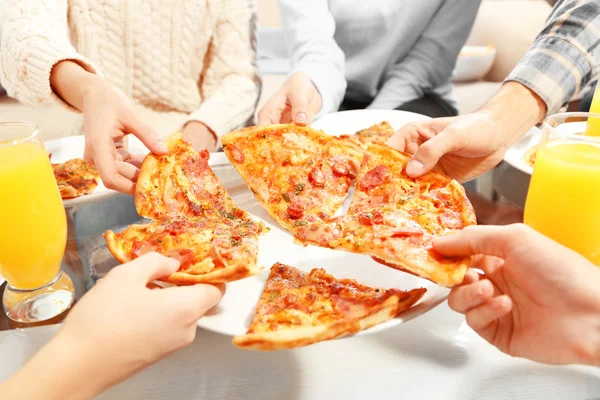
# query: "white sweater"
192,59
387,52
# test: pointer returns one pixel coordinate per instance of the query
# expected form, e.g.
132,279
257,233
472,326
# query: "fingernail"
414,168
161,146
301,118
501,303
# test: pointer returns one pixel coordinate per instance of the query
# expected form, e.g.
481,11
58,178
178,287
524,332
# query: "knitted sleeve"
229,83
35,38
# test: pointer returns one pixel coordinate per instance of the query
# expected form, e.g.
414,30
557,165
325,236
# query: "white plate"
234,313
67,148
515,155
349,122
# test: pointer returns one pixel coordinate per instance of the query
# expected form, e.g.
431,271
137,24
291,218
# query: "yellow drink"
563,201
33,228
593,124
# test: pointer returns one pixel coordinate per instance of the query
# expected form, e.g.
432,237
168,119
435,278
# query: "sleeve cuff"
554,69
330,83
42,58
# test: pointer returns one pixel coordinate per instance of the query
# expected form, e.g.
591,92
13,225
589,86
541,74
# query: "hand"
199,136
466,146
537,299
117,329
462,147
297,101
108,117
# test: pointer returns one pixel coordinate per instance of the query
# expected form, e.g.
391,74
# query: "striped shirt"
565,57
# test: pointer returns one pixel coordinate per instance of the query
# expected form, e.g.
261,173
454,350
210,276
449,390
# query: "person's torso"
375,35
153,50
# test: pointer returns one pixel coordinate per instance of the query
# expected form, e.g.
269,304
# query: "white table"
434,357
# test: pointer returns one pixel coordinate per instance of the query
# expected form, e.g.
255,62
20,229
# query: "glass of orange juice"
563,201
33,231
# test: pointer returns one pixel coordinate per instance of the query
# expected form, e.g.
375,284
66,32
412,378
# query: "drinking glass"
563,201
33,228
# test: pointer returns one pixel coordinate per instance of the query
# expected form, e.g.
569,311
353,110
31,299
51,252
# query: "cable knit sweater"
194,59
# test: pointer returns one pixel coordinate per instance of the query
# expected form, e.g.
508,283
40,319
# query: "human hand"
199,136
462,147
297,101
537,299
118,328
108,118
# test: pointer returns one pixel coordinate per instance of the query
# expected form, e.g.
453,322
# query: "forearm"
514,110
58,371
71,82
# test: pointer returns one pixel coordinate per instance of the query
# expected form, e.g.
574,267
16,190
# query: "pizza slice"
181,184
75,178
298,174
298,309
395,218
379,133
195,220
209,251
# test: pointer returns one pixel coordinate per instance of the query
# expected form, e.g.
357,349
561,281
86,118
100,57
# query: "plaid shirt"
565,57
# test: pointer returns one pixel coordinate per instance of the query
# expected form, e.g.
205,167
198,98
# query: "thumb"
152,266
300,110
474,240
429,153
146,134
193,301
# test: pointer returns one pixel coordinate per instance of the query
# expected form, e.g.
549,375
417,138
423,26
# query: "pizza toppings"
295,210
344,168
236,154
375,177
317,177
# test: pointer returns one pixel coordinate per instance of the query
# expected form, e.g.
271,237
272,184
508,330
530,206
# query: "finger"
136,160
193,301
123,154
152,266
471,277
403,136
128,170
473,240
429,153
481,317
146,134
103,154
465,297
300,110
271,113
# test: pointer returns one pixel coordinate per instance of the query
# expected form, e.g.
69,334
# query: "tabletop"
436,356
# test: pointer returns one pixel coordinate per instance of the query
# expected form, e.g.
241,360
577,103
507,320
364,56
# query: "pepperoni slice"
371,217
295,210
344,168
236,153
316,177
375,177
451,220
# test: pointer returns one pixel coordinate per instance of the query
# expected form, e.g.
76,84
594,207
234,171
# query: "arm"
34,40
309,29
565,56
431,61
230,83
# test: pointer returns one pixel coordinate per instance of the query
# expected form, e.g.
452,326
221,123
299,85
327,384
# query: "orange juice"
33,227
563,201
593,124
